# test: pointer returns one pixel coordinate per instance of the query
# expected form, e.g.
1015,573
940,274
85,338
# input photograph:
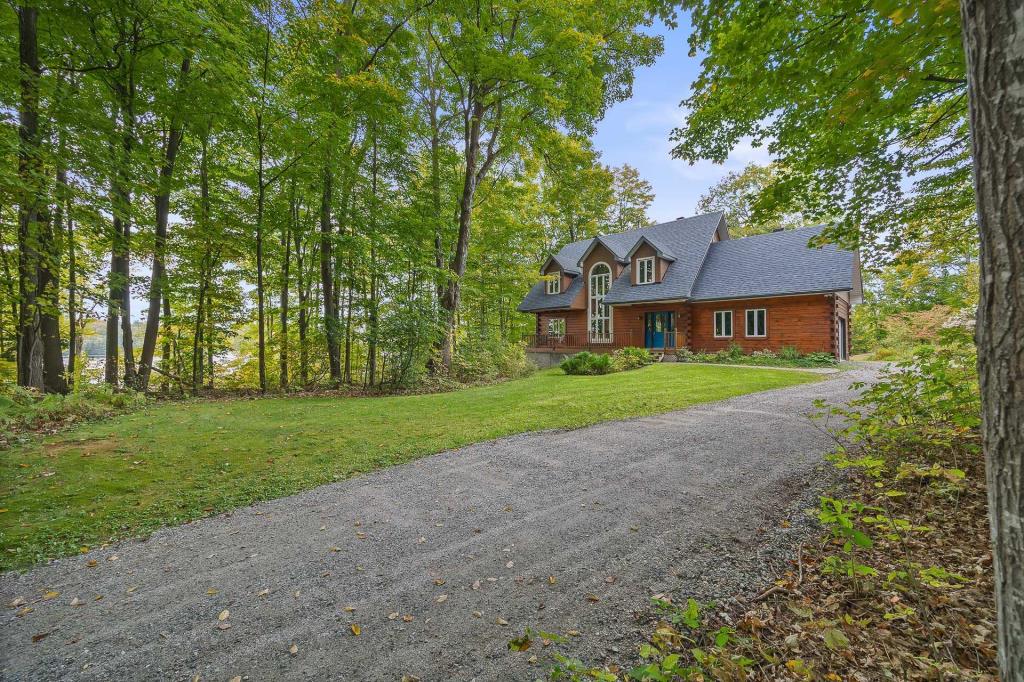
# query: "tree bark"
327,276
162,202
286,243
994,44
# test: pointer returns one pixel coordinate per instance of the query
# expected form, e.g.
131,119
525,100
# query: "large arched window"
599,313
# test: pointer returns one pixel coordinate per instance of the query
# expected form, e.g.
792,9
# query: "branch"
942,79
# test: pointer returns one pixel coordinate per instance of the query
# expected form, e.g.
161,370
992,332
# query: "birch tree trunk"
994,43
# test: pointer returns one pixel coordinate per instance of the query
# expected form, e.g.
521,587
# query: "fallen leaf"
361,535
501,621
50,594
323,527
552,580
407,618
24,612
132,589
223,626
573,633
356,630
264,592
335,549
349,609
41,636
236,678
610,579
410,678
593,598
293,649
212,591
478,614
91,563
510,564
20,601
532,659
439,582
393,615
223,615
442,599
77,602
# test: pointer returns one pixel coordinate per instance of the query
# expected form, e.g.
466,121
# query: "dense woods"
281,194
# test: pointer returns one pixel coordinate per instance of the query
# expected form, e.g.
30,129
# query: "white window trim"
590,305
640,269
554,286
552,320
714,324
746,320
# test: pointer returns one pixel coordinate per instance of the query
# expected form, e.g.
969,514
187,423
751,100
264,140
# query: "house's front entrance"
659,330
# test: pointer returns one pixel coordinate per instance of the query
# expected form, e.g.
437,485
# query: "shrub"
789,353
478,359
631,358
587,363
820,358
765,354
23,408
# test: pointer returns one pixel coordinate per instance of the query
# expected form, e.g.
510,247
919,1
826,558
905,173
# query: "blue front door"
657,329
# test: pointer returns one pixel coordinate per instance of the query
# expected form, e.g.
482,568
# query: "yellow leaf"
552,580
211,591
223,615
442,599
91,563
50,594
293,649
501,621
356,630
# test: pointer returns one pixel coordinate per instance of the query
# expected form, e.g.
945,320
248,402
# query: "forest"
294,194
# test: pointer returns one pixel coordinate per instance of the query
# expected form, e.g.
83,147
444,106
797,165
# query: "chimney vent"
682,217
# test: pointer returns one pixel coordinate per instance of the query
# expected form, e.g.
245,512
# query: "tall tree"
631,198
40,363
993,35
737,195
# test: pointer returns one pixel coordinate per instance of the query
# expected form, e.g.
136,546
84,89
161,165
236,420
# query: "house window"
556,327
723,324
555,285
598,312
645,270
756,322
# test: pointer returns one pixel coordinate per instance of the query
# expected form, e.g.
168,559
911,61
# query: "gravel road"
561,531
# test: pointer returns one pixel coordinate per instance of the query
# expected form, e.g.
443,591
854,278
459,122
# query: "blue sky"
637,131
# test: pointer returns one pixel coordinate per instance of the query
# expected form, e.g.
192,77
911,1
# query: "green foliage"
28,409
631,358
734,355
481,360
736,195
852,100
586,362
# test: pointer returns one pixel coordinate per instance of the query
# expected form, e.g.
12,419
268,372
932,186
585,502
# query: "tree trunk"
453,289
162,202
303,282
994,44
286,243
372,312
327,276
72,295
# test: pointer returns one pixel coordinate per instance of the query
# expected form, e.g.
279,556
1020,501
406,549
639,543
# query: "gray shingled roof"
773,264
539,299
687,240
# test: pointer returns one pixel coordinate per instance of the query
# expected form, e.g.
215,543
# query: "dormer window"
554,286
645,270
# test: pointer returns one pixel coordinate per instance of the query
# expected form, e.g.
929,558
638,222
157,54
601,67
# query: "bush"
586,363
789,353
820,358
477,360
631,358
24,408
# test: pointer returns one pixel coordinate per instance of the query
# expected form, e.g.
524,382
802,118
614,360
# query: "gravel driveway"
439,562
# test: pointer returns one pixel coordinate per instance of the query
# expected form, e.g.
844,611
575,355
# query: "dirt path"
462,542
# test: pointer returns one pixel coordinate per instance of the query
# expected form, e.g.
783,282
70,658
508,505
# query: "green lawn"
174,462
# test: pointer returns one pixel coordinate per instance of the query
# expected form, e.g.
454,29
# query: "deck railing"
578,342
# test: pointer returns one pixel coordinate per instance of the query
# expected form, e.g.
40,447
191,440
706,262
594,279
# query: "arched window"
600,314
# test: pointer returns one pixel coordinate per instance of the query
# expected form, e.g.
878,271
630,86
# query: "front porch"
660,342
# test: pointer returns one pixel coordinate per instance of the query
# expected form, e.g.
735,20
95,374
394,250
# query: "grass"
174,462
